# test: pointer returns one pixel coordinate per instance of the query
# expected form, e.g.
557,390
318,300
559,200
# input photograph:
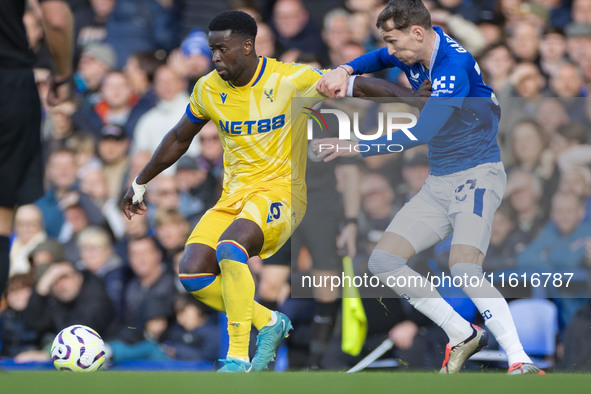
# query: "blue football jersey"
469,137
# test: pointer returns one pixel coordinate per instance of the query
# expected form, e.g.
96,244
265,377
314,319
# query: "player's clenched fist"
133,201
334,83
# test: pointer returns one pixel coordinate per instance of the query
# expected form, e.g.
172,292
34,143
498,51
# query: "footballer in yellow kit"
264,164
264,197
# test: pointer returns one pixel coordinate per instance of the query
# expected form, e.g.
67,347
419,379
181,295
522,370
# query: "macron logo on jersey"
443,85
223,96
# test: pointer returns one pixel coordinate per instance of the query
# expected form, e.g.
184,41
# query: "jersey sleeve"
305,80
195,109
374,61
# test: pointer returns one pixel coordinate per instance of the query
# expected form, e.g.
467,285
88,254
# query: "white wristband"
350,85
138,192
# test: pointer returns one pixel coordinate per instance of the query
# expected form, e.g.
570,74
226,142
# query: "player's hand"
403,334
334,83
60,89
133,201
347,239
424,90
330,148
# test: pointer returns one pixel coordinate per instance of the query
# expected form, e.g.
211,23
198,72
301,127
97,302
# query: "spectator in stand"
45,254
64,296
552,51
61,177
581,11
211,158
530,153
378,201
505,242
524,42
497,62
551,114
193,59
172,230
94,184
137,26
336,33
295,29
194,336
78,218
415,170
116,106
90,24
562,247
58,128
265,41
140,69
491,26
577,343
137,227
162,194
95,62
98,256
569,145
198,188
29,233
63,193
171,90
578,41
519,100
568,83
150,292
577,180
84,147
112,151
461,28
524,192
16,336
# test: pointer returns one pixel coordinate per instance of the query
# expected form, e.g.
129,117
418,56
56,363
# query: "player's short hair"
404,14
237,22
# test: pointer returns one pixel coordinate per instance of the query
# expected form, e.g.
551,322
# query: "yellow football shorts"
271,210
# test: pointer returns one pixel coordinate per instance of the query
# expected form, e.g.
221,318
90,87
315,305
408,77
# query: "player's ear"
247,46
418,32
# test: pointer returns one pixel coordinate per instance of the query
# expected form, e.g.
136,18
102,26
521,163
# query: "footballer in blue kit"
467,180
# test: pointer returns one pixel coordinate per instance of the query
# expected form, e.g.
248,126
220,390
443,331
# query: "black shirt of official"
14,46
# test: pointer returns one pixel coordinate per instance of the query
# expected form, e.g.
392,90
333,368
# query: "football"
78,348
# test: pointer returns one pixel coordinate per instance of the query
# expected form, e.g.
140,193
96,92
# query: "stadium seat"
536,321
537,325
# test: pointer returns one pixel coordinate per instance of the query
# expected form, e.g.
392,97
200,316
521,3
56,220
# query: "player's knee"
198,259
463,274
381,261
231,250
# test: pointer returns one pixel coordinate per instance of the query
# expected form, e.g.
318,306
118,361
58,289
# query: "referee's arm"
59,26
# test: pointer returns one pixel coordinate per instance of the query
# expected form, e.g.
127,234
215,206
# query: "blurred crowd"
76,259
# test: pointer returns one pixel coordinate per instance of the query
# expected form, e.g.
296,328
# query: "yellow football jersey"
263,136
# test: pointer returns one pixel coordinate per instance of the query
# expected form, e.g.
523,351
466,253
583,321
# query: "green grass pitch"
289,382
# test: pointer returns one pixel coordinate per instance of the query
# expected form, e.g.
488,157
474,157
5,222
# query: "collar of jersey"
438,34
260,70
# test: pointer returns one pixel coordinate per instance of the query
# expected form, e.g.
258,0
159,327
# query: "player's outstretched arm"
334,82
373,87
173,146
